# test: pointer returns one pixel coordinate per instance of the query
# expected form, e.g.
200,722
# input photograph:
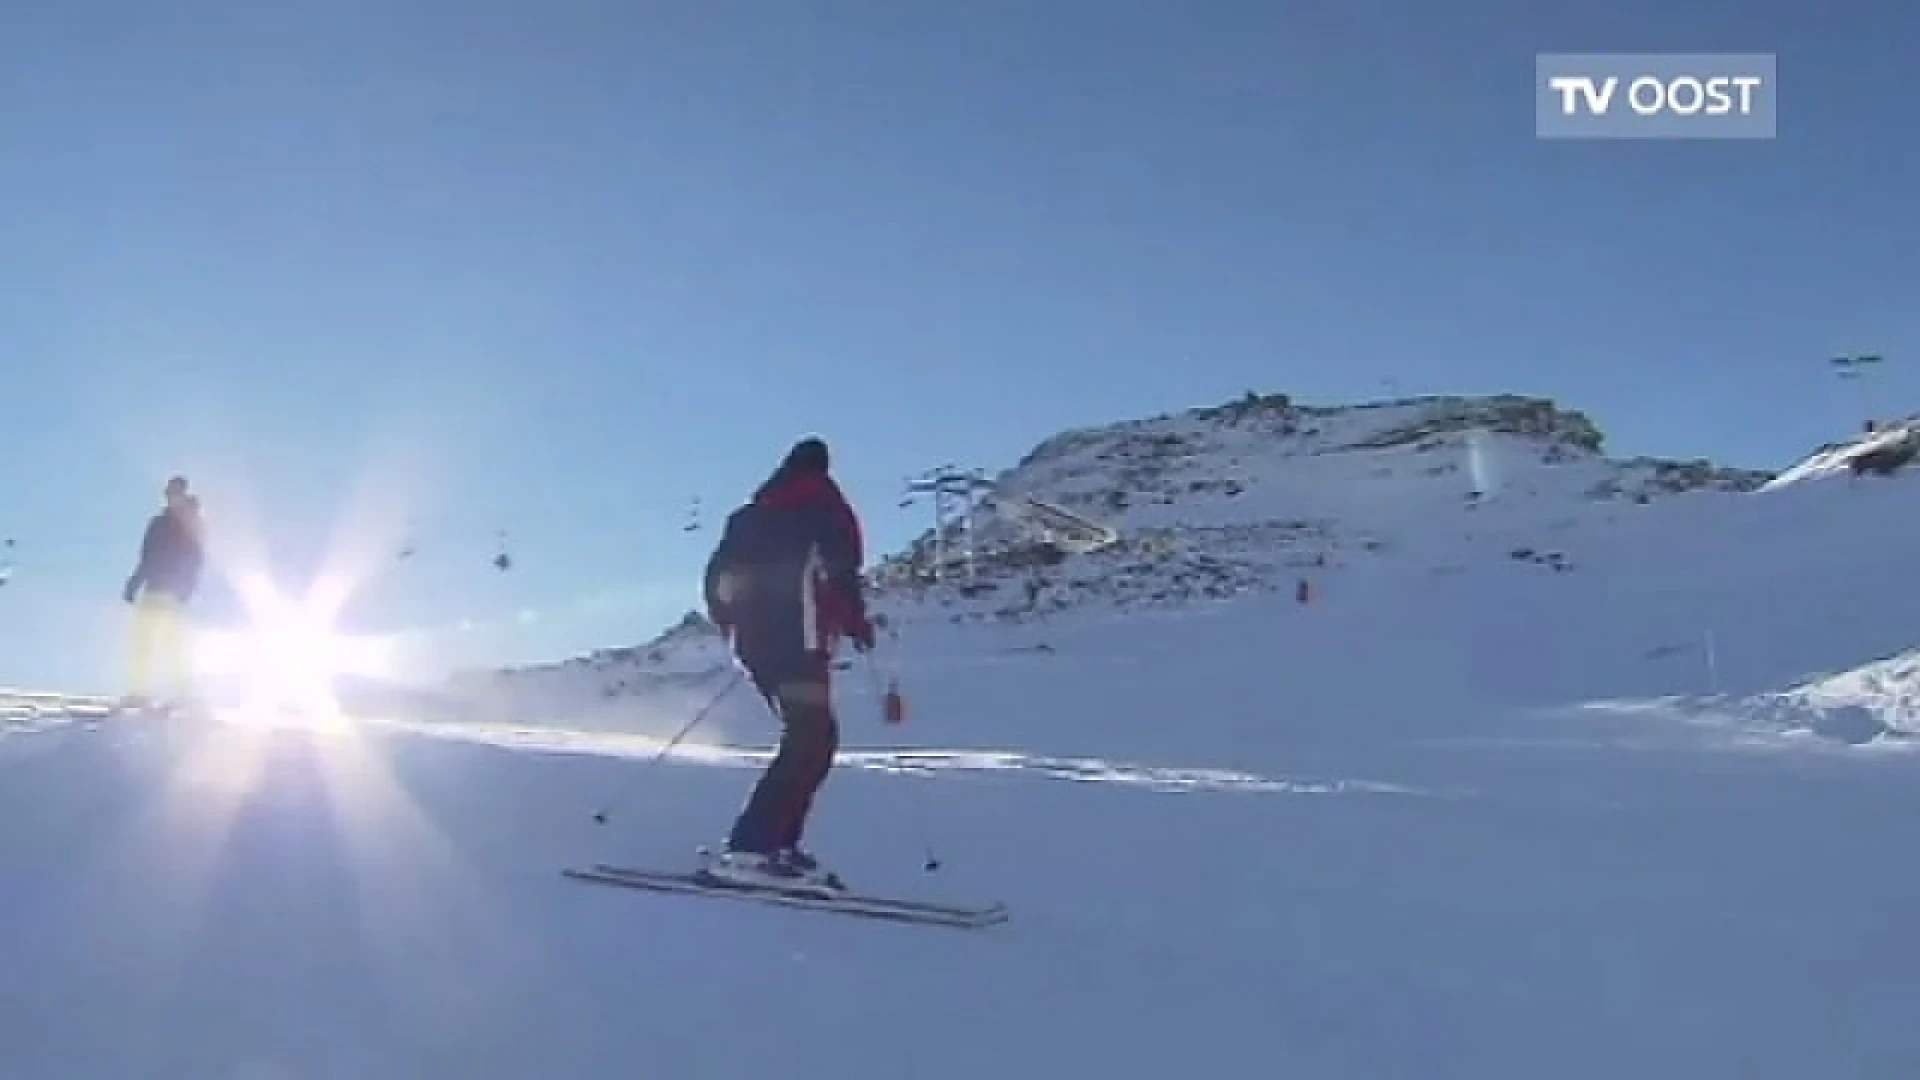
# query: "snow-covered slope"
594,690
1306,891
1548,782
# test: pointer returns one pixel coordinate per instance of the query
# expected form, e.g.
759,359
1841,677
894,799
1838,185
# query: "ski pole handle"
893,706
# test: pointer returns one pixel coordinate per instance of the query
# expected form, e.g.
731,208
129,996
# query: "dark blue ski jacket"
170,559
784,581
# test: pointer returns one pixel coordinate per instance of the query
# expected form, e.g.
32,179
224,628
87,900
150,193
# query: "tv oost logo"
1654,95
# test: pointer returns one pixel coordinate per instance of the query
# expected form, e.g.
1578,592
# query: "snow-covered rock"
1885,450
1249,496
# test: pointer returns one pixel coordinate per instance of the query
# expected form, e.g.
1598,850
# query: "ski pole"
893,711
893,707
600,816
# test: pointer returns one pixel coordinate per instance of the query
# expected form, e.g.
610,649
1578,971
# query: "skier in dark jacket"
784,585
161,586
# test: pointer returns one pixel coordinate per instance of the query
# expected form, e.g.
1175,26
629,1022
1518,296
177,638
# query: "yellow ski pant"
159,641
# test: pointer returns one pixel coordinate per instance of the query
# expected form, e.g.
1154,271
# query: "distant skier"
160,587
784,585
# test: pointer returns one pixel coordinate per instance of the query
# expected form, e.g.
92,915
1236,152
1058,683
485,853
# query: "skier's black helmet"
808,455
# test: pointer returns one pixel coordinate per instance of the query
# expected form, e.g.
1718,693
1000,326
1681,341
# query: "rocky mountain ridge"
1256,496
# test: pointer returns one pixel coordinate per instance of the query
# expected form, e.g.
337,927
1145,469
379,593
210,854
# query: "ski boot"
810,870
781,871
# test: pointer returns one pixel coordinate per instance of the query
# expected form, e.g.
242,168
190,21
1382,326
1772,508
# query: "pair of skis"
844,902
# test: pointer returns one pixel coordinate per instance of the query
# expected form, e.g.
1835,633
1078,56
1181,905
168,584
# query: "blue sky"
468,266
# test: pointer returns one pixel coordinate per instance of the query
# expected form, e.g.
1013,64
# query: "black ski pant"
799,692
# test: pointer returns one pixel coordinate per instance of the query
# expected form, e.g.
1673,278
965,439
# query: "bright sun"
289,655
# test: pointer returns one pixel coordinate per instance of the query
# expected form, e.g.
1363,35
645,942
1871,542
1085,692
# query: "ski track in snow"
922,761
1101,772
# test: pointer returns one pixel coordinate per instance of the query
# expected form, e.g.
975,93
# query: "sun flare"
289,654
